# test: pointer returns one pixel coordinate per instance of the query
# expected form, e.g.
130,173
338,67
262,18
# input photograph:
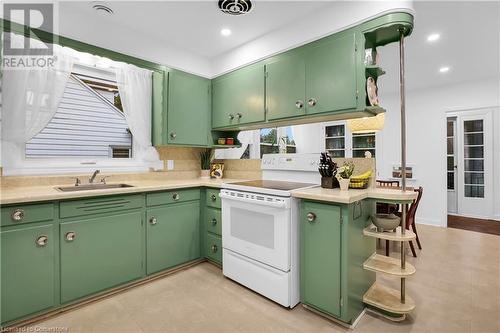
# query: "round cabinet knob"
312,102
214,221
70,236
153,220
239,115
214,248
311,217
299,104
17,215
176,196
173,135
213,197
231,116
42,241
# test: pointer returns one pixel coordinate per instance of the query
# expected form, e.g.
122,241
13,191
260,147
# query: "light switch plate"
170,164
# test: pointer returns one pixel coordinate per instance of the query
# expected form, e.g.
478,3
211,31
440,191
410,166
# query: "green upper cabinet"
285,87
238,97
100,252
27,270
188,109
158,120
331,75
320,256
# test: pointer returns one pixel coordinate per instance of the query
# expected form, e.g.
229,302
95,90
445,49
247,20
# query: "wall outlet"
170,164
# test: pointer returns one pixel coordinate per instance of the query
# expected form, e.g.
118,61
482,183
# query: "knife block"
329,182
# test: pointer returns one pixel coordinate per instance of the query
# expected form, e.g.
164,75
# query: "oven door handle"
257,202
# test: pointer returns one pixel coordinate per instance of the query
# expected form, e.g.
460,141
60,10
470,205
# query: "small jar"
221,141
230,141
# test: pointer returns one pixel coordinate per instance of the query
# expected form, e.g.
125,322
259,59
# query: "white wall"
426,139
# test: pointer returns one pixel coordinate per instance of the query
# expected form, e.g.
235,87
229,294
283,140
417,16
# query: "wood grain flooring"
471,224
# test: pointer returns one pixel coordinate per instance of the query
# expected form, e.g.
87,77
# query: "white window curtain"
135,87
31,95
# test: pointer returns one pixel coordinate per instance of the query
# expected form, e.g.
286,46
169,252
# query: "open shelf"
374,71
225,146
374,109
371,231
388,265
387,299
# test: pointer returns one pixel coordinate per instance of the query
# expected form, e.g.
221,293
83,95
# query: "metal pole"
403,151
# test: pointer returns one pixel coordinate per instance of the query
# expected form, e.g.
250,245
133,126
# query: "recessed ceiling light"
444,69
225,32
433,37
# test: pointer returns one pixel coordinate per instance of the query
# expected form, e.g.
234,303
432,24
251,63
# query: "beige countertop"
352,195
23,194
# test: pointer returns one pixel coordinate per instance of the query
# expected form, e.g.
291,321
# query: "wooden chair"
410,219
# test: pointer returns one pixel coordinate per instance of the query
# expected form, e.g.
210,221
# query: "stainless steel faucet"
91,179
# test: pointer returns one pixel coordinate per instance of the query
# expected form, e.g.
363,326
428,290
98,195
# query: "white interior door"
475,164
451,161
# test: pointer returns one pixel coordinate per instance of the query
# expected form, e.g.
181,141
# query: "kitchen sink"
91,187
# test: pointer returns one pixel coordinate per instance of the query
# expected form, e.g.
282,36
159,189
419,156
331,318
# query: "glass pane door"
450,154
363,142
474,158
335,140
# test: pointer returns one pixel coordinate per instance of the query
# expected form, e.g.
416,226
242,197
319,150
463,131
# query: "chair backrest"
388,183
410,218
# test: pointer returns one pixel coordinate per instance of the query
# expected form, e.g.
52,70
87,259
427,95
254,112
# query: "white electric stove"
260,226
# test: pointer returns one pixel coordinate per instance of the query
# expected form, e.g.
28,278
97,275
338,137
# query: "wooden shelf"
371,231
374,71
388,265
374,109
225,146
387,299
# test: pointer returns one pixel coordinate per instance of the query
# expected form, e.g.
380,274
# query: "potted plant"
344,174
205,159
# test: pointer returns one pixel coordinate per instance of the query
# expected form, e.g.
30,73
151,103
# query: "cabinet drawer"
27,213
213,199
213,220
163,198
214,248
99,205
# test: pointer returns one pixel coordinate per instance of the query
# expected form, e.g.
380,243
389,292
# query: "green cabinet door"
238,97
28,263
331,75
158,119
98,253
320,256
285,88
188,109
173,235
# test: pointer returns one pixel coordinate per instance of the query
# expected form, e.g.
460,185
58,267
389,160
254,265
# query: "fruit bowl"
385,222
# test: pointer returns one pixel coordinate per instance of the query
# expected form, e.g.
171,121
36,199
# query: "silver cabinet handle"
70,236
231,116
214,221
153,220
42,240
312,101
176,196
213,197
311,217
299,104
17,215
239,115
173,135
214,248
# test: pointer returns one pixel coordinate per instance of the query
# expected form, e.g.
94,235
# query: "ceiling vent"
101,8
235,7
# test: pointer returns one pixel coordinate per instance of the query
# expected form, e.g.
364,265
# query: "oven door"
257,226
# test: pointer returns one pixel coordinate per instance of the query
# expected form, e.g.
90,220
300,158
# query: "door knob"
70,236
153,220
213,197
17,215
176,196
231,116
173,135
239,115
312,102
311,217
42,241
299,104
214,248
214,221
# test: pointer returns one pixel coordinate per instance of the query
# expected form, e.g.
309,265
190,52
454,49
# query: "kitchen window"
271,139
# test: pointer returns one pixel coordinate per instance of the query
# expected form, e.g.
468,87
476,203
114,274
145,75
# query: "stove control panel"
292,162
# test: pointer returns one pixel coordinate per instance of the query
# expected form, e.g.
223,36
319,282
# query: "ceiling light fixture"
444,69
433,37
102,8
225,32
235,7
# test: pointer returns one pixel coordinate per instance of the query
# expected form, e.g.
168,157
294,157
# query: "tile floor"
456,288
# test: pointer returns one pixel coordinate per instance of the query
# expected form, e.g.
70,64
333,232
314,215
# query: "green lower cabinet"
320,260
173,235
98,253
214,248
27,271
213,221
